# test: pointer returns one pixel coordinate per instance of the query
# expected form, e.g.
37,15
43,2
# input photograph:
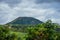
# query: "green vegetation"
43,31
25,21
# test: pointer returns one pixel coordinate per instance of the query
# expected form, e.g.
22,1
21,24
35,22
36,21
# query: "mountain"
25,21
21,23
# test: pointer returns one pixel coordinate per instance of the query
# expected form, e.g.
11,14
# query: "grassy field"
20,35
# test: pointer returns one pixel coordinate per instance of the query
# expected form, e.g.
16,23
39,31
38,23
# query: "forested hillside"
43,31
25,21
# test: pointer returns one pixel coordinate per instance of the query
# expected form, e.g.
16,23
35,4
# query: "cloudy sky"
40,9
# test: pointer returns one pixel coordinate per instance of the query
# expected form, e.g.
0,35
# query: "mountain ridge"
25,21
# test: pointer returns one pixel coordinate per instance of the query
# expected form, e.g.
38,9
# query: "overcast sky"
40,9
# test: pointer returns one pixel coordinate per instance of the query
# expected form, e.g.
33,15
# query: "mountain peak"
25,21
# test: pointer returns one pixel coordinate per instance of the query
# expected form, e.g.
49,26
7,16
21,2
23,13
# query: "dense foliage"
44,31
6,33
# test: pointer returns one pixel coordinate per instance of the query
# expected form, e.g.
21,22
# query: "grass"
20,35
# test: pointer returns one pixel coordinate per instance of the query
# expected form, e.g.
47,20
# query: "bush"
44,31
5,34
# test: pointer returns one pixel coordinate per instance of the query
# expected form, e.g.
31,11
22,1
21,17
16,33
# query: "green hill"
25,21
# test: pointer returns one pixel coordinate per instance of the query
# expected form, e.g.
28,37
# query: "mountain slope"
25,21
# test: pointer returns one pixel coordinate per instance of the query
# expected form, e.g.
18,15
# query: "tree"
5,34
44,31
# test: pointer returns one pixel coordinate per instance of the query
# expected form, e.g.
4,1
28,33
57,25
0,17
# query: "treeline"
6,33
44,31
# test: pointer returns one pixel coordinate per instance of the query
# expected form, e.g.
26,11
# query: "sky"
39,9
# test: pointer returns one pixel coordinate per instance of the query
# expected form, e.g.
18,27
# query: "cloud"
55,20
29,8
11,2
46,1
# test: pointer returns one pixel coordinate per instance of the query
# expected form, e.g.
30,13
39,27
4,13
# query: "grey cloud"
41,11
54,5
3,18
46,1
11,2
55,15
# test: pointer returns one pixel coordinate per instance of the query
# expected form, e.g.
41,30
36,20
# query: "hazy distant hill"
25,21
21,23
